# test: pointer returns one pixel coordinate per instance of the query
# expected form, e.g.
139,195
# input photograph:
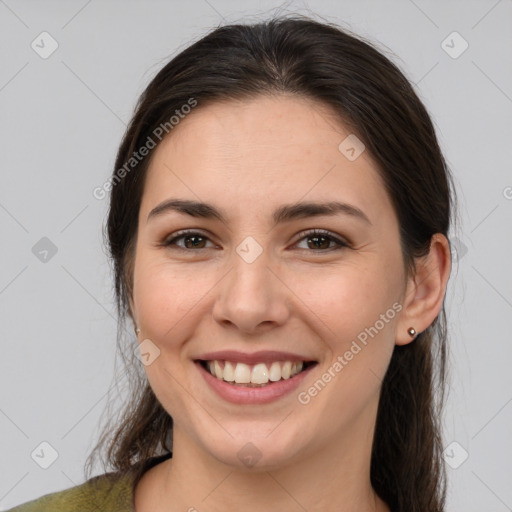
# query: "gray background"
60,124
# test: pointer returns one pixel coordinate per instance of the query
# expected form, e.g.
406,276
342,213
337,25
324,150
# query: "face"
258,288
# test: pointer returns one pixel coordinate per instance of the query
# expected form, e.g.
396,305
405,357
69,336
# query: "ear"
425,290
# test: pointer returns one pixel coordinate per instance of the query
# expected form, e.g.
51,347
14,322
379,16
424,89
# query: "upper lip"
251,358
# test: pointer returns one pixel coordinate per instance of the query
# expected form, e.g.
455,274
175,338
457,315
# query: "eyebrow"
282,214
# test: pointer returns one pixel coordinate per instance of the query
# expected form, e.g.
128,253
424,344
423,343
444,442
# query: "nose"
252,298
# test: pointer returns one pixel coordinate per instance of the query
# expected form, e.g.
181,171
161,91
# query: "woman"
279,213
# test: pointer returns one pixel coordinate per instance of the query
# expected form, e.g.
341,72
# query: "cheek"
165,298
358,312
348,300
164,295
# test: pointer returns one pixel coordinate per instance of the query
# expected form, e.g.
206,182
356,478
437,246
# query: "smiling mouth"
255,375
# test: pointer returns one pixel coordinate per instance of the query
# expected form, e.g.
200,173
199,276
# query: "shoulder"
107,493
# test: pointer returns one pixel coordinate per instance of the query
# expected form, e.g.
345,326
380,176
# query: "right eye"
192,240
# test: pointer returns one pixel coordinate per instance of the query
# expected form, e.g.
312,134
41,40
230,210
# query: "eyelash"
303,235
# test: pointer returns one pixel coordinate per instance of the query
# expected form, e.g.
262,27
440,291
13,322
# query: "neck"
335,478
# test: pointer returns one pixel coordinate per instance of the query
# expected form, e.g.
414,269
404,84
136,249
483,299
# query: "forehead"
261,151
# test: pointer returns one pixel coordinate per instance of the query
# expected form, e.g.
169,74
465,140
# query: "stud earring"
411,331
137,330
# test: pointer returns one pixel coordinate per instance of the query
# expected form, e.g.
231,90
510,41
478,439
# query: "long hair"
320,61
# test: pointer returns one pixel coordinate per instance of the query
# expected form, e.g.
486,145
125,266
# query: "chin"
255,453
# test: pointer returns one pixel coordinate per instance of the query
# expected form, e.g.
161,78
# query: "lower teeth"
250,384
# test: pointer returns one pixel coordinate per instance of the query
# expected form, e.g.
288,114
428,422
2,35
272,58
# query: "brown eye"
192,240
321,240
317,241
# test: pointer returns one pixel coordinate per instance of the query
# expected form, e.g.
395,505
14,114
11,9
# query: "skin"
248,158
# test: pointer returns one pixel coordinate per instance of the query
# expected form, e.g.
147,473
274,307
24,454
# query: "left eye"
319,240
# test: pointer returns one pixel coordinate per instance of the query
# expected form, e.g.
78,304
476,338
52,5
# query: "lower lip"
249,395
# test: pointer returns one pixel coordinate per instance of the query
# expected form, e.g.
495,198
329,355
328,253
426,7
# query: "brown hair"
320,61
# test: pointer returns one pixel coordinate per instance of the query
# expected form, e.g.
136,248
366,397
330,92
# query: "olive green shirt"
103,493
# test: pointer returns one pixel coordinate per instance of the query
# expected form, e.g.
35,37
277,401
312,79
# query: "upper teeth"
260,373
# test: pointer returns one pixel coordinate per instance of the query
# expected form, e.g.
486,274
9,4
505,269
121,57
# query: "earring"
137,330
411,331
